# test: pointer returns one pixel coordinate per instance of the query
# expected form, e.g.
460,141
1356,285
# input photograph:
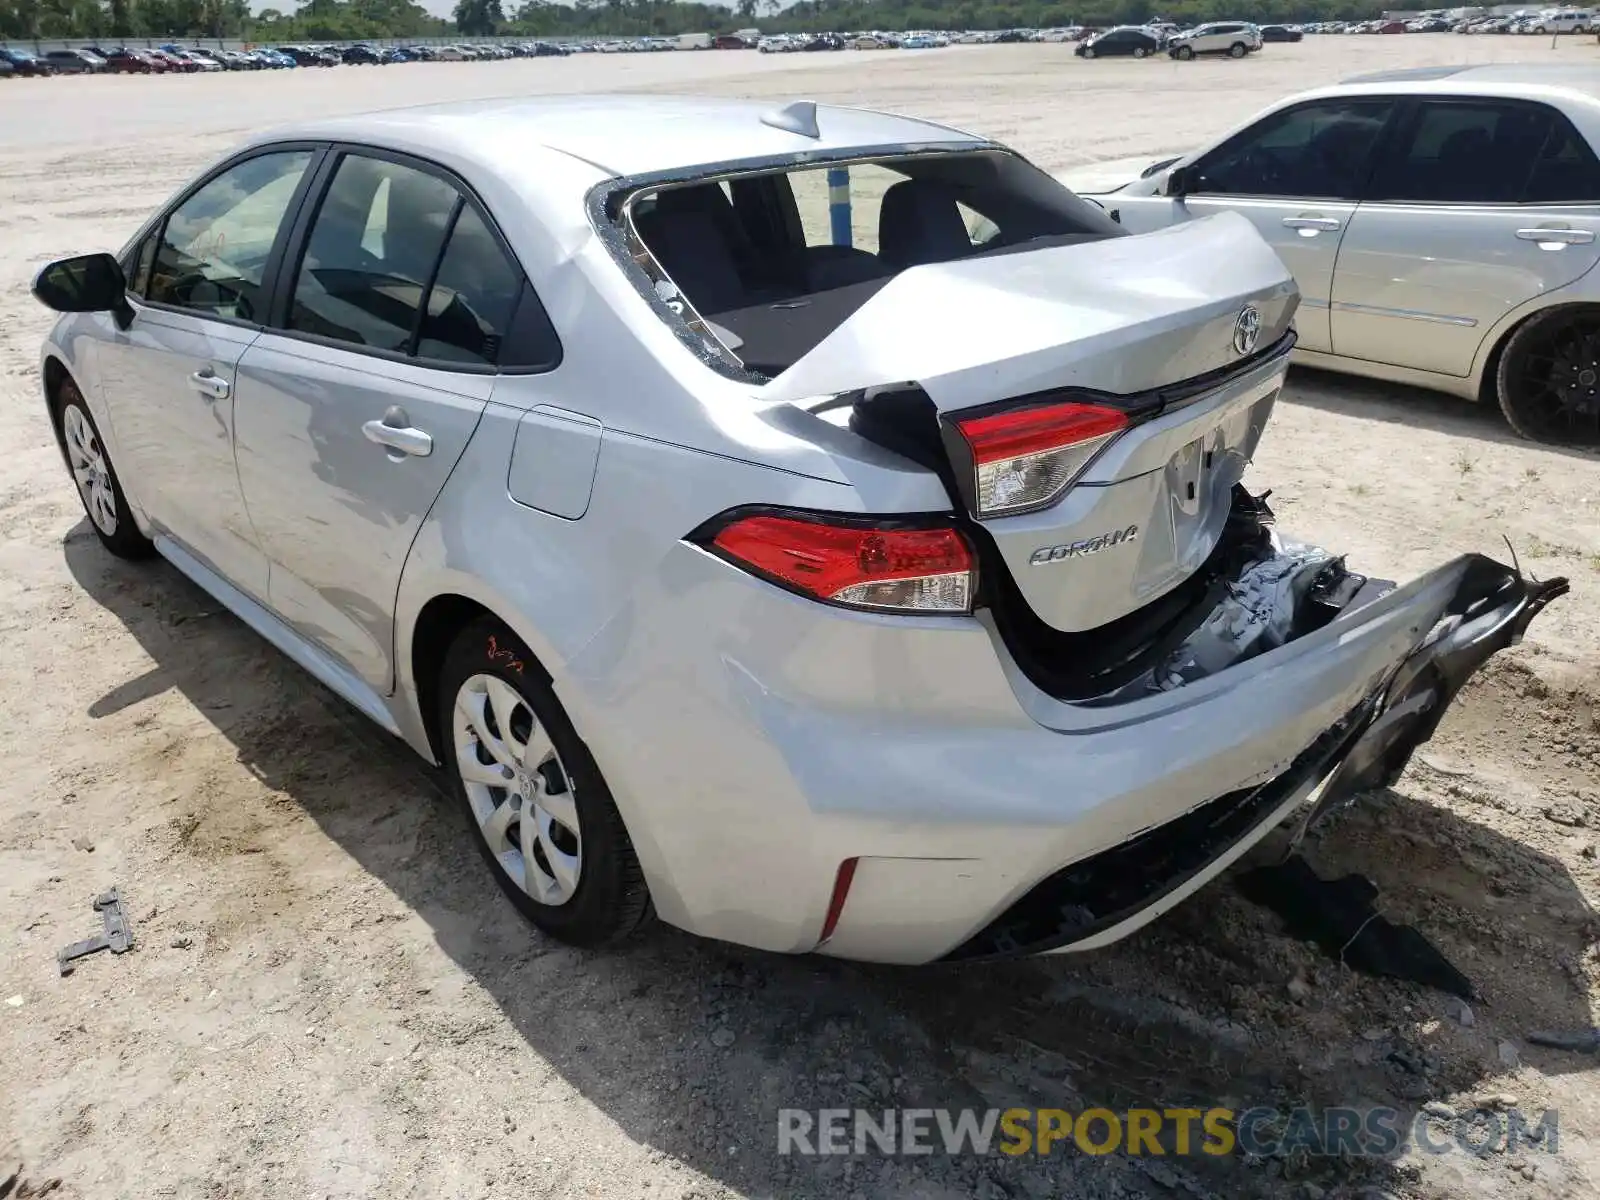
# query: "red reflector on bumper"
841,893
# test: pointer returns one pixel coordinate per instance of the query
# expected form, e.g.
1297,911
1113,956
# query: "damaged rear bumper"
979,813
1473,607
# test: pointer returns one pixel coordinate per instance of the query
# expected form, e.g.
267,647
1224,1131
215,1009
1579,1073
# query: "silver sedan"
817,528
1442,223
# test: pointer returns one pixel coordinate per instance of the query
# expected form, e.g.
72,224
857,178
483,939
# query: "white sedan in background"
1441,223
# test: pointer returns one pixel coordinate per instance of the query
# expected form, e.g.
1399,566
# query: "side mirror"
87,283
1179,182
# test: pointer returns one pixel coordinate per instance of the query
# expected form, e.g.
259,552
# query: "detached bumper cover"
1129,884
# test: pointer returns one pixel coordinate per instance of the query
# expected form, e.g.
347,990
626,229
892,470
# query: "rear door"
1483,204
355,406
1297,175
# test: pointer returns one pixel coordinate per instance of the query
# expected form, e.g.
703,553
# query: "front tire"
1185,53
99,489
1237,50
1088,51
533,795
1140,52
1548,381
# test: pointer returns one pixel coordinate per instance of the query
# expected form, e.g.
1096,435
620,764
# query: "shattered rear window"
766,263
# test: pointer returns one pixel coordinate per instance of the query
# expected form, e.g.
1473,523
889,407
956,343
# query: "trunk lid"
1144,323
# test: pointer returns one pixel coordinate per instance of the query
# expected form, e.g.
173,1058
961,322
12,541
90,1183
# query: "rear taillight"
1024,458
885,566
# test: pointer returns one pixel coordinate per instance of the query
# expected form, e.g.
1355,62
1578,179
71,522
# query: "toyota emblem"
1246,329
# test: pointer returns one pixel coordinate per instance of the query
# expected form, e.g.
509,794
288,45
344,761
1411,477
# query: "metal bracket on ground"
117,938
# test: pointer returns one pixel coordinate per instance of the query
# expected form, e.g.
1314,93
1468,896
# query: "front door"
170,376
354,412
1483,205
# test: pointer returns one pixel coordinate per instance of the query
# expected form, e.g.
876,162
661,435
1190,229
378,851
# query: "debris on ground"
117,938
1584,1041
1338,915
15,1187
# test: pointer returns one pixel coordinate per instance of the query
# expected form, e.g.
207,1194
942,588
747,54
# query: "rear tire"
533,795
99,490
1548,380
1238,50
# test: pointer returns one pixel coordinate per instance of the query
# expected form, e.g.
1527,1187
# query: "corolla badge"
1246,330
1083,547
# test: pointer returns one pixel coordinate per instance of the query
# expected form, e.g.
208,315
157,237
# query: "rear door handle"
208,383
1311,225
396,432
1557,236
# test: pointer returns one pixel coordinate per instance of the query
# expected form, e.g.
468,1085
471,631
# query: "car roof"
622,134
1489,79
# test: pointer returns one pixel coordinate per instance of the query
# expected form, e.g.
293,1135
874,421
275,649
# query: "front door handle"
208,383
1554,237
1311,226
396,432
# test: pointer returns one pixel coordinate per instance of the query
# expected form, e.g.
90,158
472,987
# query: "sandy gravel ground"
329,999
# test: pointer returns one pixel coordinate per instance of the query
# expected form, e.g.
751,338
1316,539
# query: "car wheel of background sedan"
1088,51
98,487
1186,52
1237,50
1548,382
1140,52
533,793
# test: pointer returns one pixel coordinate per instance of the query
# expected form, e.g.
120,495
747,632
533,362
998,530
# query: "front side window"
211,255
138,264
1315,151
373,248
1490,152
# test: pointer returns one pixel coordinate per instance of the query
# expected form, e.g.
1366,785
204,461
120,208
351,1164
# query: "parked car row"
1546,22
172,58
1232,38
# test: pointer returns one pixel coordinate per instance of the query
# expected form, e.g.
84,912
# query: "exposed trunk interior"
1224,612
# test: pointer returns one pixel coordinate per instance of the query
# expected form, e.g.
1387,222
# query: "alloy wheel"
89,469
520,792
1553,393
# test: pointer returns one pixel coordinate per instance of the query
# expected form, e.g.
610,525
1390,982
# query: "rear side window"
372,250
473,297
1489,152
399,261
1566,171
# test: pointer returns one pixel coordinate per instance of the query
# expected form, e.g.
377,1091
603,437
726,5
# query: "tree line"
350,20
